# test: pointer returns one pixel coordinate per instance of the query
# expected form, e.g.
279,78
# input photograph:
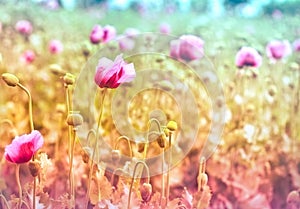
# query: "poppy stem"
133,178
128,142
4,200
31,129
29,105
169,167
19,184
94,149
71,173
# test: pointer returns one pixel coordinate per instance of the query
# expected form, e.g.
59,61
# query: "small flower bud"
57,70
115,156
85,156
202,180
74,119
293,197
161,140
166,131
10,79
34,168
172,125
69,79
272,90
141,146
146,191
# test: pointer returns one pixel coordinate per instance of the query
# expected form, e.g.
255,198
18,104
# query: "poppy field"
135,108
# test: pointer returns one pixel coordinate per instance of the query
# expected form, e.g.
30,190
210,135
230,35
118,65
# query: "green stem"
94,149
114,173
169,167
162,197
133,177
29,105
19,184
128,143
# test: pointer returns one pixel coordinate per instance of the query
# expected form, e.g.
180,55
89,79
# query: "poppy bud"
161,140
293,197
10,79
146,191
85,156
69,79
34,168
74,119
57,70
115,155
272,90
141,146
172,125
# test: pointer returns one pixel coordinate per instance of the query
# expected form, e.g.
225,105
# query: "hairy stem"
128,143
133,178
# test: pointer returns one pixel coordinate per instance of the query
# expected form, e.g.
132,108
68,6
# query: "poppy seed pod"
69,79
34,168
10,79
115,155
74,119
146,191
172,125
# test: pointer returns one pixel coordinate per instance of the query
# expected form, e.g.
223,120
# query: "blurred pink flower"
109,33
131,32
105,34
277,14
248,56
277,49
110,74
126,43
28,56
96,34
165,28
187,47
24,27
24,147
296,45
55,47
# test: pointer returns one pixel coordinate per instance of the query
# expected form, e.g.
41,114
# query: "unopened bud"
34,168
69,79
172,125
146,191
161,140
293,197
272,90
10,79
140,146
74,119
115,155
57,70
85,156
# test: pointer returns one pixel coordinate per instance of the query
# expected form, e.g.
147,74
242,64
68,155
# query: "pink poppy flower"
24,27
296,45
96,34
28,56
248,56
24,147
165,28
55,47
277,49
187,47
110,74
109,33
